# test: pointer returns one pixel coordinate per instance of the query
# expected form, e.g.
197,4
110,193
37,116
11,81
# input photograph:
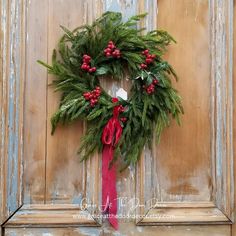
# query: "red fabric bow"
110,137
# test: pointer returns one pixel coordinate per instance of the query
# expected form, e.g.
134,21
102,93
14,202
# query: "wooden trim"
183,213
172,216
51,215
221,20
12,65
221,29
234,125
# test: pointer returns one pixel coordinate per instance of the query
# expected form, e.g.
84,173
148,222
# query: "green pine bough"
112,48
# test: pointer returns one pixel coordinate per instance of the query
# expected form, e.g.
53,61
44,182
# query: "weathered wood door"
184,186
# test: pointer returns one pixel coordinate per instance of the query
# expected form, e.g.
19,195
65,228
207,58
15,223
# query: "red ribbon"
110,137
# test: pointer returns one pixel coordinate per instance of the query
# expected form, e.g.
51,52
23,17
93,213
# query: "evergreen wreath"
112,48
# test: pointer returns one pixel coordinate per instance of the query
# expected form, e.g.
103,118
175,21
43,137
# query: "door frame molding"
12,74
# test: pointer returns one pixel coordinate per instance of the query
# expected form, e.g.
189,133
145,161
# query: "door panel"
191,172
184,154
185,179
52,170
64,173
35,104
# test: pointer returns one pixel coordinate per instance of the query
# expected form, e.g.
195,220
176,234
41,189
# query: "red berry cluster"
149,59
121,109
151,88
86,64
123,119
93,96
111,50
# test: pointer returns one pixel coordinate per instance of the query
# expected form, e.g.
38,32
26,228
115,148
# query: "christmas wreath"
113,49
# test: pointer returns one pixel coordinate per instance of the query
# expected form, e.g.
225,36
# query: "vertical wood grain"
64,172
221,18
3,101
35,102
147,182
93,194
125,181
183,156
195,161
180,168
234,112
65,175
11,101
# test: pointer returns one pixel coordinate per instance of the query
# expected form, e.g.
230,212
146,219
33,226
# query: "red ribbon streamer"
110,137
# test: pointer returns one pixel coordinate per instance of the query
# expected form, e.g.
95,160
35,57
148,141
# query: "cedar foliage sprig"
146,113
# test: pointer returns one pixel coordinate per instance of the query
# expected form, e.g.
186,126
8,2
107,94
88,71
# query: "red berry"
123,119
121,108
108,54
153,56
116,53
155,81
111,46
83,67
107,50
86,56
87,67
86,95
86,61
98,91
115,100
145,52
98,88
93,69
149,60
143,66
90,70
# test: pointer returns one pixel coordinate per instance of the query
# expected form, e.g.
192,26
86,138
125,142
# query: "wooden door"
184,185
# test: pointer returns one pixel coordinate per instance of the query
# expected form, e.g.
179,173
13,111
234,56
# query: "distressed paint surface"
125,230
12,69
35,103
64,172
204,34
52,170
125,181
222,105
234,111
183,174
